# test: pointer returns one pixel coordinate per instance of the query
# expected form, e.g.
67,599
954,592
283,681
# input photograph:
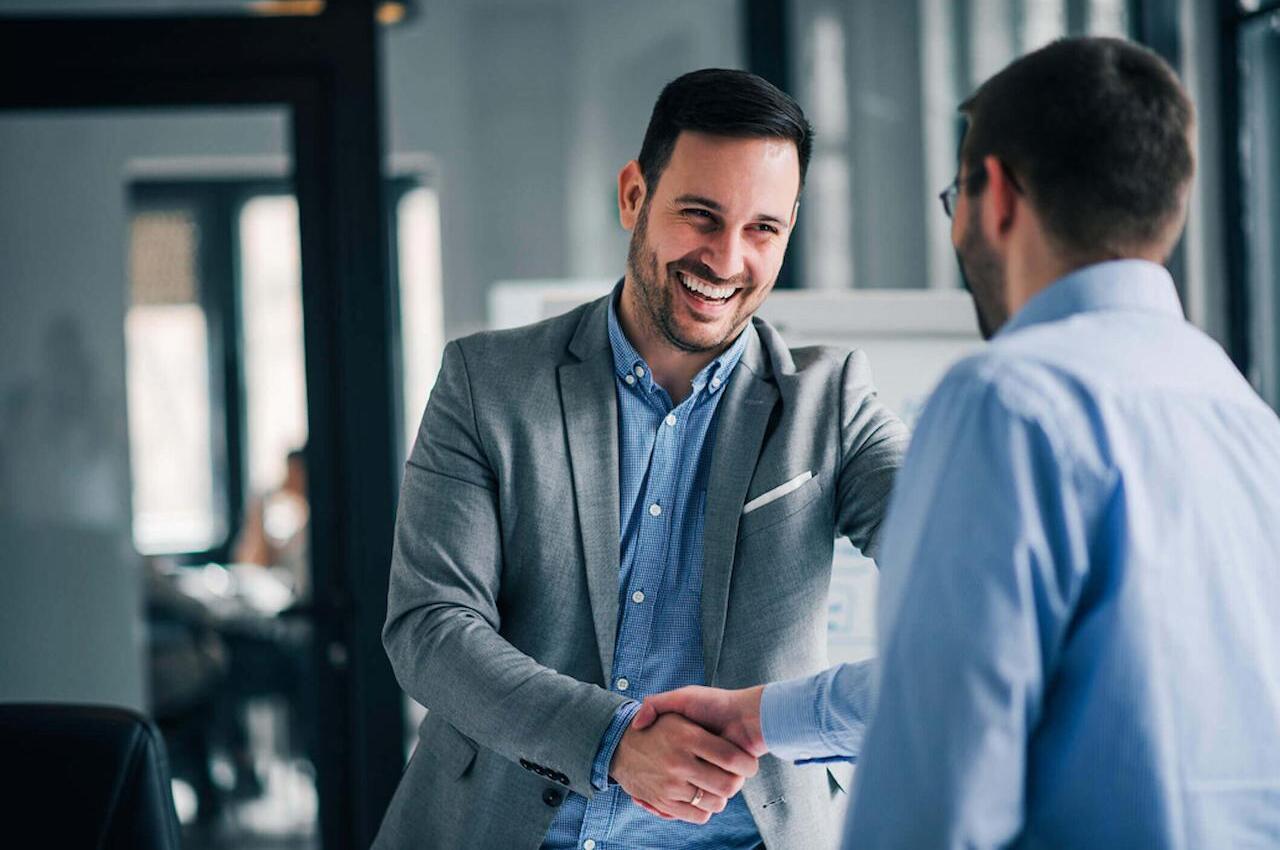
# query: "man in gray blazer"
638,495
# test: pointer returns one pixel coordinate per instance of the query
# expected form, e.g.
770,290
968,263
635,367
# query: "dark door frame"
1231,21
766,38
323,69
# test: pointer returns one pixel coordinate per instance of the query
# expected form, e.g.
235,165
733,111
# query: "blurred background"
235,236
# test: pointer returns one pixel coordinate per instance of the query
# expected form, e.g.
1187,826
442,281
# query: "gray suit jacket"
503,606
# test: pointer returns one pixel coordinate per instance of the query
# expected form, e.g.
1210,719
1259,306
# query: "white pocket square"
776,493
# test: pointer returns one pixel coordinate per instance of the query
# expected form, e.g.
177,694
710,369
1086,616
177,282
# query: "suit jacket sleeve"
442,631
873,444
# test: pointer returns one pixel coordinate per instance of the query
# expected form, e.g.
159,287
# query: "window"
217,376
170,397
881,83
271,328
417,265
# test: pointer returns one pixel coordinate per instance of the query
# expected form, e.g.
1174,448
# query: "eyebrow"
716,207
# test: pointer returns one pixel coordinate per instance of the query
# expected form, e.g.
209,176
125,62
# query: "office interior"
238,233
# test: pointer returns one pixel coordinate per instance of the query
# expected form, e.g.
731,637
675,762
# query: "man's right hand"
734,715
666,764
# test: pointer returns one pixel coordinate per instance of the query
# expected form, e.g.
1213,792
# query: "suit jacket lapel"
742,419
590,409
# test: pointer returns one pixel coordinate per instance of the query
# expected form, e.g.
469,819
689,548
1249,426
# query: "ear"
795,213
1000,201
631,194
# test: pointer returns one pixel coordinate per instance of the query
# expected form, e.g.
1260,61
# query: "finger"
712,779
709,801
652,810
681,810
722,754
645,717
676,701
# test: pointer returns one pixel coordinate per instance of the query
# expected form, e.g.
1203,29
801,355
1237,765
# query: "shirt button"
715,382
655,509
639,371
637,597
671,419
589,844
630,379
623,684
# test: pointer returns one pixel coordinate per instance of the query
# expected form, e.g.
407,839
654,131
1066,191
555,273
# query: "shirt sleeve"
984,555
609,743
819,718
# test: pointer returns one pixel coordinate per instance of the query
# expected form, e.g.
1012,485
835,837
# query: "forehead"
758,173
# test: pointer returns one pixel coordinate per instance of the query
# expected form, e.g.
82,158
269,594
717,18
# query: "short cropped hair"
721,102
1097,131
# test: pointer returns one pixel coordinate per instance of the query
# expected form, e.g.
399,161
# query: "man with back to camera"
635,496
1085,523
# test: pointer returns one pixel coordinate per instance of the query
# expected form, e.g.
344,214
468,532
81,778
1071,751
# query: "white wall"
530,108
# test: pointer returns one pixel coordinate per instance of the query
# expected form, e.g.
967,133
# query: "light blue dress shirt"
1080,595
664,462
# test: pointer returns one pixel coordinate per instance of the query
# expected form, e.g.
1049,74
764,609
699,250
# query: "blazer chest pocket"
778,509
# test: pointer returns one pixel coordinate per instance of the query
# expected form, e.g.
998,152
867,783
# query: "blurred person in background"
275,530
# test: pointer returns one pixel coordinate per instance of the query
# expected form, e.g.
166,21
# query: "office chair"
78,776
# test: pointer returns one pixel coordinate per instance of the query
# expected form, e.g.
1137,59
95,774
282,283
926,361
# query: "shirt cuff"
612,737
791,719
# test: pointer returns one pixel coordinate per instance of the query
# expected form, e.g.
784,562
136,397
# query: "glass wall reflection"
153,501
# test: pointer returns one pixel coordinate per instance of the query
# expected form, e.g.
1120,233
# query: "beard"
982,274
657,301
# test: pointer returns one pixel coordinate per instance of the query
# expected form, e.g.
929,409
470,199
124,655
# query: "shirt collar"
628,362
1130,285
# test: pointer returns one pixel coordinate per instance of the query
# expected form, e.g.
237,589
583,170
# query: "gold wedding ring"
697,797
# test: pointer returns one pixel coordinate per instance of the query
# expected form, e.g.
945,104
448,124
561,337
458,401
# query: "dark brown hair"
1097,132
721,102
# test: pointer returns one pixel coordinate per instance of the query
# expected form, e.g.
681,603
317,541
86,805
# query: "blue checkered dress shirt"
664,460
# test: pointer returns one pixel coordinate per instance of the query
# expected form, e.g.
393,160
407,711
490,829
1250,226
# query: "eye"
762,227
698,212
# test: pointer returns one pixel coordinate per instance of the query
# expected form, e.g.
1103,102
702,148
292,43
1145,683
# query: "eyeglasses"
951,194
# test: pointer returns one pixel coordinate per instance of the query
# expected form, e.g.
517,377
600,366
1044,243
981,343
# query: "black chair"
84,777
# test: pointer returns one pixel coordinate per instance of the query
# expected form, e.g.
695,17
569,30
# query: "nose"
725,254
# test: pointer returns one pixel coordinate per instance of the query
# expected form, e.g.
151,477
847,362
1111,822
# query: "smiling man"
636,496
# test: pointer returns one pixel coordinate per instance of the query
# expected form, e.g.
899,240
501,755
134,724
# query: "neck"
673,368
1032,269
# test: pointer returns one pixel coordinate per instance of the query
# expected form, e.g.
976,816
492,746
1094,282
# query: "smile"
705,290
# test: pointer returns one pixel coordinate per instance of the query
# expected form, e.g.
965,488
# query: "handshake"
688,751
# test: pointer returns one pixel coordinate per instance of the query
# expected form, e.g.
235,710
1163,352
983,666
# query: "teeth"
702,288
